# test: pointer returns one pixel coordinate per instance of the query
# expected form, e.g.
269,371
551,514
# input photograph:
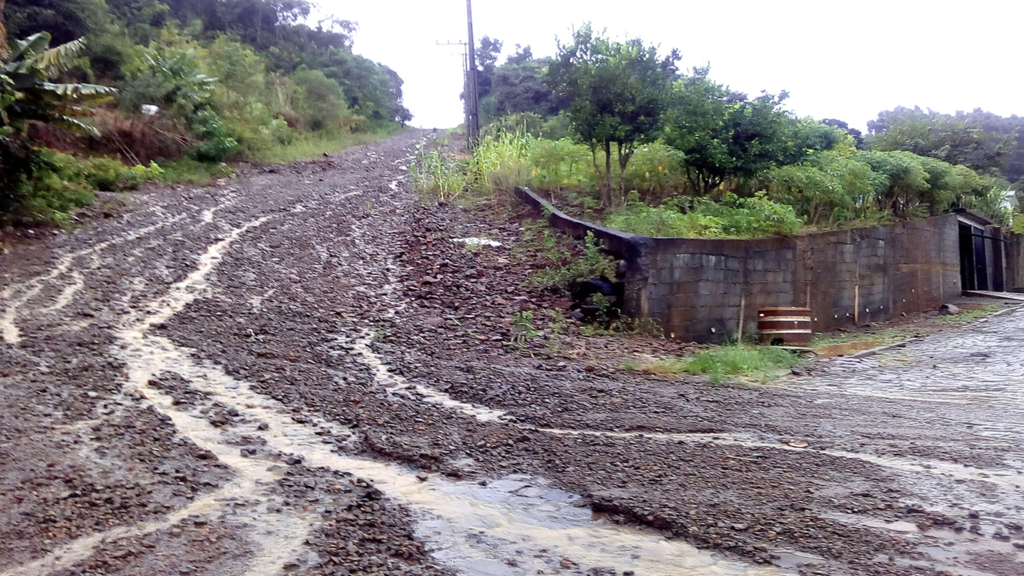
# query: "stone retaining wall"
696,288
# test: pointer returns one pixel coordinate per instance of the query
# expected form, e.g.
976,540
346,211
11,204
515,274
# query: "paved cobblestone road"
978,371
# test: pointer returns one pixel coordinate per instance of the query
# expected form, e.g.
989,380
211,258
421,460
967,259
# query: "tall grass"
761,362
501,161
439,175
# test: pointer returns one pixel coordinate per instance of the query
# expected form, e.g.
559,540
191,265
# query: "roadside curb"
903,343
873,351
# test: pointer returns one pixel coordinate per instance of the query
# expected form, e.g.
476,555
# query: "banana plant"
28,91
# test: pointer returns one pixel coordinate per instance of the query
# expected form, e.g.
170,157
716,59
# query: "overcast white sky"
837,58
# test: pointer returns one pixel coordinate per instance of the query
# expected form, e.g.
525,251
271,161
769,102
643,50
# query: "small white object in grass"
150,110
478,241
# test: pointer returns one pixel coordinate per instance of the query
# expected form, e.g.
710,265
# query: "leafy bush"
988,199
751,217
106,174
828,189
18,162
556,127
1017,223
169,73
319,100
664,221
733,217
559,165
60,183
655,172
565,267
217,145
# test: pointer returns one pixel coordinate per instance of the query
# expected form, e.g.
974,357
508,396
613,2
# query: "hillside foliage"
184,84
696,158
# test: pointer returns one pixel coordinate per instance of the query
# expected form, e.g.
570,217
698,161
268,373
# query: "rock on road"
298,372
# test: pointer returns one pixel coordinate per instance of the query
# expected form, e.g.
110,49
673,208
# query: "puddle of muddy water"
474,528
846,348
948,550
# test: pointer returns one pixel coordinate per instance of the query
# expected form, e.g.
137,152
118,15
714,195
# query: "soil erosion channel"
250,379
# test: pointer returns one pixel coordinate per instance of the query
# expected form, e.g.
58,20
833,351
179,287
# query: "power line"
465,86
470,91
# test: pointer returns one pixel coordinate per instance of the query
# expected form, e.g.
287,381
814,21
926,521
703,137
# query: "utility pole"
472,95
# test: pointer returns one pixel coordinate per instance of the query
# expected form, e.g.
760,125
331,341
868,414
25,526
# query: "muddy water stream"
16,296
476,529
398,385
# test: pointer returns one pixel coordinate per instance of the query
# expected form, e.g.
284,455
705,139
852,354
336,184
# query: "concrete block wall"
696,288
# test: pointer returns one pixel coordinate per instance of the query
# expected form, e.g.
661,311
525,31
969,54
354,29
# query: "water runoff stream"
474,527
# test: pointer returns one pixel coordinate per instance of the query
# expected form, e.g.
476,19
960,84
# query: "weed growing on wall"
564,267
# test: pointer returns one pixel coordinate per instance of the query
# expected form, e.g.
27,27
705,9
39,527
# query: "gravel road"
301,372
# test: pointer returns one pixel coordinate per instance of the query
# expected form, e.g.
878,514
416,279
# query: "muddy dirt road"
299,372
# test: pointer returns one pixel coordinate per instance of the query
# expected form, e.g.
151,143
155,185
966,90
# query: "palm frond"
30,46
60,59
31,97
78,90
75,125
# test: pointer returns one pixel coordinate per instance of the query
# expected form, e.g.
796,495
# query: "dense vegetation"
616,131
182,84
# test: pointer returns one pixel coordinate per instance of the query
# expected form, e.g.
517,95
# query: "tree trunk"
4,49
624,156
597,170
608,170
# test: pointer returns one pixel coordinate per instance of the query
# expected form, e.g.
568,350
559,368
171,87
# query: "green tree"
618,95
857,135
169,74
487,55
723,135
64,20
522,55
521,87
29,92
902,183
810,136
954,139
320,100
826,189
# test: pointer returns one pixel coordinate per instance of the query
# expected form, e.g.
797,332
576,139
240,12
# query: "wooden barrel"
785,326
